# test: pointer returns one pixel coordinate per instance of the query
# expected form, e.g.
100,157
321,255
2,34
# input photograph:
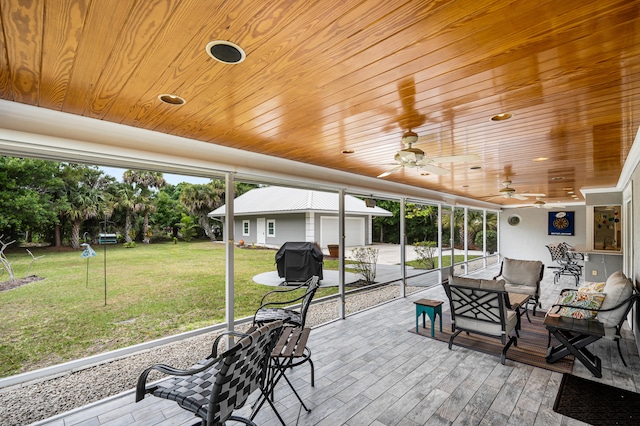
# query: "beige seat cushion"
490,328
522,289
618,288
498,285
521,272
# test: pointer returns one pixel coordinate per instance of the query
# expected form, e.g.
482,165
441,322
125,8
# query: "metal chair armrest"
141,387
281,291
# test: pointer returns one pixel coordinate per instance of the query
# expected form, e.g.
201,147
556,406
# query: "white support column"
484,238
341,288
310,227
229,267
452,238
403,248
440,242
466,240
498,214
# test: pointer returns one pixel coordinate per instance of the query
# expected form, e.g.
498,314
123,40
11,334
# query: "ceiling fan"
415,158
509,192
538,204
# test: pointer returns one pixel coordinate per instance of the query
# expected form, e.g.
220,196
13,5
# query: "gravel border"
37,401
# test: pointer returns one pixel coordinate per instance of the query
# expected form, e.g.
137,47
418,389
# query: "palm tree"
200,199
143,183
126,202
86,197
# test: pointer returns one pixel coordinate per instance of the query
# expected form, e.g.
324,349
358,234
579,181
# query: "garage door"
354,231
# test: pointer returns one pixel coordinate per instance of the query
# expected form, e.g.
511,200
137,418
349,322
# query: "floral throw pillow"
592,287
581,302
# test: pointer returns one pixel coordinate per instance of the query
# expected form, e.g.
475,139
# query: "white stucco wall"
528,239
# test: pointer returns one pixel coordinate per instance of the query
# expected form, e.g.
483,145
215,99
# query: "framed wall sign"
561,223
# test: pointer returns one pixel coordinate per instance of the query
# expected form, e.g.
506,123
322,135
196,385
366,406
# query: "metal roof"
277,200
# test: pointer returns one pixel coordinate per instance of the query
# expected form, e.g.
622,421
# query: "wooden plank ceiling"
321,77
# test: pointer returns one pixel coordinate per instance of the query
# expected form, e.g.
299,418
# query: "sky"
170,178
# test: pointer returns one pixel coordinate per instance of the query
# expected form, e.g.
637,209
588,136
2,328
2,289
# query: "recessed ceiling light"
568,188
538,159
501,117
171,99
569,192
348,151
475,168
225,52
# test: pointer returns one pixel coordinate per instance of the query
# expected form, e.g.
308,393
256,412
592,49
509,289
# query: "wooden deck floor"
371,371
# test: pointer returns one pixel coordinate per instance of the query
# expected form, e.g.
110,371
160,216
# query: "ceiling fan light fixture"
225,52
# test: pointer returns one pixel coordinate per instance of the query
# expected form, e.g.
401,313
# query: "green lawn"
152,291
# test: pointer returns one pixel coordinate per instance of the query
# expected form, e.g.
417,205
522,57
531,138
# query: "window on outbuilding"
245,228
271,227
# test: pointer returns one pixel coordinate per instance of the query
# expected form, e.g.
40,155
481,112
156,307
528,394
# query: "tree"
421,222
201,199
87,197
387,228
187,227
125,202
144,182
169,210
28,200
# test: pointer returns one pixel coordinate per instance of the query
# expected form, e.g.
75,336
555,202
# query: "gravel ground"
37,401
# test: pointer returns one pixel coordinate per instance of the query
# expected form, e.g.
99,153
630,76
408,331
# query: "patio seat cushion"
618,288
590,287
582,304
521,276
491,328
498,285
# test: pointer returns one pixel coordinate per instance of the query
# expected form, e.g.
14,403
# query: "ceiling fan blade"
531,194
388,172
455,158
434,170
519,197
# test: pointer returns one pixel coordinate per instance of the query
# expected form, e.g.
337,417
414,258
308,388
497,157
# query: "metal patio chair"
272,311
568,261
217,385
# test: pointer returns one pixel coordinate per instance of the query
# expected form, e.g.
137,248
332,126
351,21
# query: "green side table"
431,308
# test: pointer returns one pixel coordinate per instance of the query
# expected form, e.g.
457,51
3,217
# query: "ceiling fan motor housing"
409,155
507,191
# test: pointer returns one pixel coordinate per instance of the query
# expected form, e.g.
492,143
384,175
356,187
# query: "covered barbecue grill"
299,261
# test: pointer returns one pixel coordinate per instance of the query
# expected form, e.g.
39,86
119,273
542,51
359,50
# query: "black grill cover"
297,262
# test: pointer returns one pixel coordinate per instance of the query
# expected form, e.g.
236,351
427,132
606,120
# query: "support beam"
229,196
342,312
403,244
440,242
